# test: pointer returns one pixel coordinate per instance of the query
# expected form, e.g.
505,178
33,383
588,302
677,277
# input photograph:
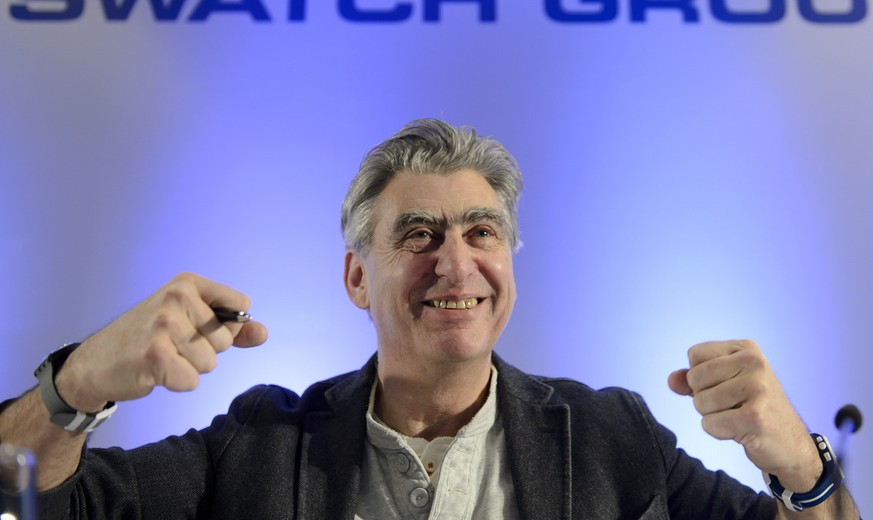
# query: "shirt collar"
383,436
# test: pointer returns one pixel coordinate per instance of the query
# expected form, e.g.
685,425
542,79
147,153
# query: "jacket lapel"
332,449
538,444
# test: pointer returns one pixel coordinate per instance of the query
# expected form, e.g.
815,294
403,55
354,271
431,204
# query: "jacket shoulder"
273,399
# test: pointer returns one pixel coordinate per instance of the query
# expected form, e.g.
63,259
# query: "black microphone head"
851,413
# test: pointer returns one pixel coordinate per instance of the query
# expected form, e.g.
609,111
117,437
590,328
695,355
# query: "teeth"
469,303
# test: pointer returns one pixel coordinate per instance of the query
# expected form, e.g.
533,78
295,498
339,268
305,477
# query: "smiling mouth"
464,304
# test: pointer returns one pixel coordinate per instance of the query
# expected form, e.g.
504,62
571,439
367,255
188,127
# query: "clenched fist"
737,393
168,340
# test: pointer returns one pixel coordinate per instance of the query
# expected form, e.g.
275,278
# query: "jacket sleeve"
693,491
170,479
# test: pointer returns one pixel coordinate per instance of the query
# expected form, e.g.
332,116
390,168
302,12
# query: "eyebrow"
473,215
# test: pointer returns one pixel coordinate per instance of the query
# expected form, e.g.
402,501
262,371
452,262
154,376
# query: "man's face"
438,279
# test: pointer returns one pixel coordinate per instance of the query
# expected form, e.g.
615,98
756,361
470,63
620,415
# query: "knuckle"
166,321
753,359
146,379
708,423
699,402
697,353
756,387
179,378
181,290
209,364
716,427
177,293
693,350
748,344
693,377
752,417
187,278
157,354
183,384
750,442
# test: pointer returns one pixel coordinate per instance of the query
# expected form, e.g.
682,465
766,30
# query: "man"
435,425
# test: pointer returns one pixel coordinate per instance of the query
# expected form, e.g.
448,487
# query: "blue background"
684,182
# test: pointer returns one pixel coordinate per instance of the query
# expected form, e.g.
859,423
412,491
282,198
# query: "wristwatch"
61,413
831,477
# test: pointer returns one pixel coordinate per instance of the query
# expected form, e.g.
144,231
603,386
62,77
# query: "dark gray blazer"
574,453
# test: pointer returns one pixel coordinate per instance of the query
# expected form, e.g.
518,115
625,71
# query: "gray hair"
428,146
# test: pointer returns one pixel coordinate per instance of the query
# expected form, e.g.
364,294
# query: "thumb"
251,334
679,383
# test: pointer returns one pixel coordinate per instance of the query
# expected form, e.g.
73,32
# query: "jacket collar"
536,431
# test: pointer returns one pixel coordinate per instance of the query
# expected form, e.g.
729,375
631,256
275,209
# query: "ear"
356,280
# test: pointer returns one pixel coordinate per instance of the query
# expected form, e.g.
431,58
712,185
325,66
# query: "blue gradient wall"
684,182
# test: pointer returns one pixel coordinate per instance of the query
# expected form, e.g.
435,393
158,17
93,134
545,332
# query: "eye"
420,233
419,239
483,234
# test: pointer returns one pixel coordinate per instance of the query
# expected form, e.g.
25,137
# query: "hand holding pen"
167,340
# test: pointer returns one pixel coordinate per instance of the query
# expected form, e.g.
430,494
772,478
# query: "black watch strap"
60,412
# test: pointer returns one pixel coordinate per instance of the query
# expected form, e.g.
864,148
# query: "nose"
455,261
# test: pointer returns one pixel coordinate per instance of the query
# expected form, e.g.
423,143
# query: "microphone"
848,421
849,417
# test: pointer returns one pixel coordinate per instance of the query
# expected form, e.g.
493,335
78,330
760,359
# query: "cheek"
501,276
391,289
512,293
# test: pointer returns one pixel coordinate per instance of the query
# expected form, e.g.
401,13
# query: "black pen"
225,315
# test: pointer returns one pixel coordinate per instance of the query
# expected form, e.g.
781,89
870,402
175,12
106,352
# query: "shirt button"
419,497
402,462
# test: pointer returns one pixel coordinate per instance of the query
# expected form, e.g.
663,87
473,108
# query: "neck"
433,402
